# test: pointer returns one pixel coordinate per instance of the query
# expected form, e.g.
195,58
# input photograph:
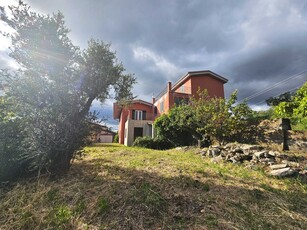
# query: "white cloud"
158,62
259,107
270,19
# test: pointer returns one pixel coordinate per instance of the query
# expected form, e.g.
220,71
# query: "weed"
206,187
148,196
256,195
52,195
102,205
211,221
62,215
80,206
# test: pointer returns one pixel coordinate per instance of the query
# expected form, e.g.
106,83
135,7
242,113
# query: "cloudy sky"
260,46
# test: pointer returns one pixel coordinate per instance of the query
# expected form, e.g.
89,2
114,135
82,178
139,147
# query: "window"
181,100
138,115
162,106
182,89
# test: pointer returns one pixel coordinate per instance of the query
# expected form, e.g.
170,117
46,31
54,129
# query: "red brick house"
136,118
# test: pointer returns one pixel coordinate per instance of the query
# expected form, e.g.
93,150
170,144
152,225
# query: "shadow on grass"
146,200
107,196
106,145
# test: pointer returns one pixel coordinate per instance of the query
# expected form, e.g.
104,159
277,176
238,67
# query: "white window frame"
138,115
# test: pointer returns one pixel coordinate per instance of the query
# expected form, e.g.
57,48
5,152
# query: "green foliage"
62,215
102,205
145,142
295,109
168,127
263,115
274,101
48,99
80,206
116,138
152,143
162,143
10,141
206,118
151,198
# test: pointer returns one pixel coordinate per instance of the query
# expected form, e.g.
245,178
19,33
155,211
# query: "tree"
206,118
295,108
285,97
55,87
169,127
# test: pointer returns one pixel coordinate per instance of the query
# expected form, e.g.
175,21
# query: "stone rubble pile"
278,164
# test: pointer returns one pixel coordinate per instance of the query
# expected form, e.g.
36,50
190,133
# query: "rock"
279,166
259,154
268,155
234,160
213,152
293,164
217,147
264,160
228,156
282,172
274,153
237,150
251,148
223,153
246,157
217,159
203,153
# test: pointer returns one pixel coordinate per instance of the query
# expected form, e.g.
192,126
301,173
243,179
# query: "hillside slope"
116,187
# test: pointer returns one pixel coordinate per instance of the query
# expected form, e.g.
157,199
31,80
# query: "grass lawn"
117,187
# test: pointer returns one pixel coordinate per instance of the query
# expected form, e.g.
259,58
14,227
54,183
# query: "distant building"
137,117
101,134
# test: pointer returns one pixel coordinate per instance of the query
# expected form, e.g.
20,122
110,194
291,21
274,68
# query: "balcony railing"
147,116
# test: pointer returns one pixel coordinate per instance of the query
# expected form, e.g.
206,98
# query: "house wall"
105,138
121,126
185,87
190,88
127,115
214,86
129,129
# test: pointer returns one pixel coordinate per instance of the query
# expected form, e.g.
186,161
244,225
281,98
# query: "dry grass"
115,187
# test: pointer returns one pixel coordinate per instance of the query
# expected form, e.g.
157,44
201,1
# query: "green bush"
145,142
116,138
152,143
162,143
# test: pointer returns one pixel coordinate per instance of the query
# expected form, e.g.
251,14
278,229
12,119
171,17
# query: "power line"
274,86
295,88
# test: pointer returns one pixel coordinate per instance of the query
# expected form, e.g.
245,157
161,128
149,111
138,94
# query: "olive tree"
54,87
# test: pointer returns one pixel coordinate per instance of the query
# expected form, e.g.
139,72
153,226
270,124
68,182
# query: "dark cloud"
255,44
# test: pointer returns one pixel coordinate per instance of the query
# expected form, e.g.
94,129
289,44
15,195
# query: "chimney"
153,100
169,86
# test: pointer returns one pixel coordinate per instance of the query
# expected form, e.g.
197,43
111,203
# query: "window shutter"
133,114
144,115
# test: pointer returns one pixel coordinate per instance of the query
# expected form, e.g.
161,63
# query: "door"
138,132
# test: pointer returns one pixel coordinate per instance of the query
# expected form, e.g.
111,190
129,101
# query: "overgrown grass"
116,187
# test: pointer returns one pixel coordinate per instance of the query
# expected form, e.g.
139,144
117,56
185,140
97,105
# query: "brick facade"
136,118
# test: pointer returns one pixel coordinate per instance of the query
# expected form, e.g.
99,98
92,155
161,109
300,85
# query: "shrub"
162,143
145,142
153,143
116,138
